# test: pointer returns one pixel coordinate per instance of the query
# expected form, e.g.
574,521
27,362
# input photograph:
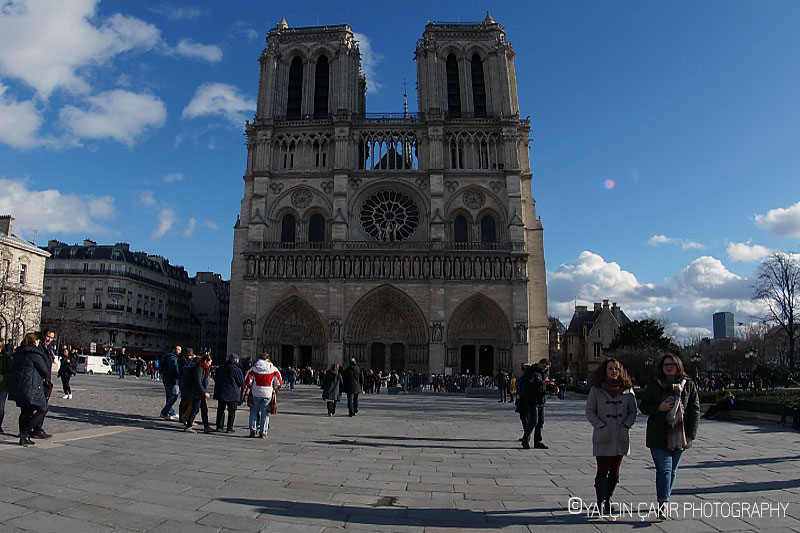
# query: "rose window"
389,216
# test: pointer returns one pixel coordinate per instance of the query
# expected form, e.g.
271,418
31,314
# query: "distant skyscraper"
723,325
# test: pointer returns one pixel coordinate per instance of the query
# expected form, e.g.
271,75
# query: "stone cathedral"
405,240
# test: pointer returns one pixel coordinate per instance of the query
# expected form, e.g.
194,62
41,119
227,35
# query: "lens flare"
609,184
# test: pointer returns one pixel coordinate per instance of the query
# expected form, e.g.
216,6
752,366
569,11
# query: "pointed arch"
294,322
387,315
479,318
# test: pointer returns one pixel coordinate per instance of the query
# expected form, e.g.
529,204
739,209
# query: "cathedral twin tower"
407,241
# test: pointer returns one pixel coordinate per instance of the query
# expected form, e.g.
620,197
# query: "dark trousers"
331,407
352,403
532,422
503,394
193,406
221,408
30,418
65,384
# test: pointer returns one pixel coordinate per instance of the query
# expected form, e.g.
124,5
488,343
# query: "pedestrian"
47,349
501,381
65,372
6,368
724,401
672,405
533,386
122,363
353,384
185,363
170,376
611,410
228,386
29,374
512,388
196,391
261,380
332,388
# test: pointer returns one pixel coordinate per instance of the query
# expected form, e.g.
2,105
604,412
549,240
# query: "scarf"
613,386
206,368
676,437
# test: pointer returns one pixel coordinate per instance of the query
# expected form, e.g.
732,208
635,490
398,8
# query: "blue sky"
122,121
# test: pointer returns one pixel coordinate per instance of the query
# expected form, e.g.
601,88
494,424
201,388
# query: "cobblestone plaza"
415,462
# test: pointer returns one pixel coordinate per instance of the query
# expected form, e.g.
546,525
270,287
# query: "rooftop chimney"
5,224
605,304
597,306
87,242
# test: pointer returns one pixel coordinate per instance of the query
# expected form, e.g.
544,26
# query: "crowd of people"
670,400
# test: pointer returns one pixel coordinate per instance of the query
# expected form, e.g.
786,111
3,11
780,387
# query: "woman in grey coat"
332,388
611,409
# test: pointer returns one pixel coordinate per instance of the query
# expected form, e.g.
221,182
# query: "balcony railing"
115,307
396,246
117,290
114,273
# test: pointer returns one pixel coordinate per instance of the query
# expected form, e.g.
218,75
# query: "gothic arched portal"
294,335
386,330
478,337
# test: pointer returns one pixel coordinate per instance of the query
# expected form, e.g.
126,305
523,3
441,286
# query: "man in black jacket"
228,384
532,388
353,385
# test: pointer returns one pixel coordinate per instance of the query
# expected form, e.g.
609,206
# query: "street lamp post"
751,356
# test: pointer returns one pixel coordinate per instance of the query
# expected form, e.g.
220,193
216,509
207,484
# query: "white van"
93,364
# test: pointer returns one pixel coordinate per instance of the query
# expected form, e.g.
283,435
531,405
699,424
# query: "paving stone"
42,522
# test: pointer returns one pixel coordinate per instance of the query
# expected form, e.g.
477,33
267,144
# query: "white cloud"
744,251
19,122
207,52
118,114
369,62
686,301
783,222
685,244
48,44
210,224
172,178
166,219
220,99
50,210
147,198
190,226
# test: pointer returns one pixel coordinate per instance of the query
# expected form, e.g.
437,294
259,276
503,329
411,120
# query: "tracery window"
288,228
453,87
294,99
478,87
321,77
389,216
488,229
316,228
460,233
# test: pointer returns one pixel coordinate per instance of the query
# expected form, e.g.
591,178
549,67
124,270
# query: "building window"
453,87
598,349
488,229
389,216
288,228
478,87
460,233
23,273
316,228
321,88
294,99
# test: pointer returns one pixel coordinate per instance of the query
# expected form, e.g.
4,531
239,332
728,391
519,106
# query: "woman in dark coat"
332,388
228,384
65,372
27,387
196,391
672,406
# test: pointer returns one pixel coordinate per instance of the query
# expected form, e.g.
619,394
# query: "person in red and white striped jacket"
261,379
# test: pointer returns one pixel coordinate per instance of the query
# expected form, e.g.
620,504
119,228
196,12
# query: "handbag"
250,399
273,405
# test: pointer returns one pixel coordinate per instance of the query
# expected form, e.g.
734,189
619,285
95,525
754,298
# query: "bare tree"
778,286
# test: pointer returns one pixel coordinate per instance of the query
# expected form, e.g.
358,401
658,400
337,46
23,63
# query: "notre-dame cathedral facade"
407,241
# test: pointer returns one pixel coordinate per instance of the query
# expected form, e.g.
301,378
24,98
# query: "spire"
488,19
282,25
405,100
